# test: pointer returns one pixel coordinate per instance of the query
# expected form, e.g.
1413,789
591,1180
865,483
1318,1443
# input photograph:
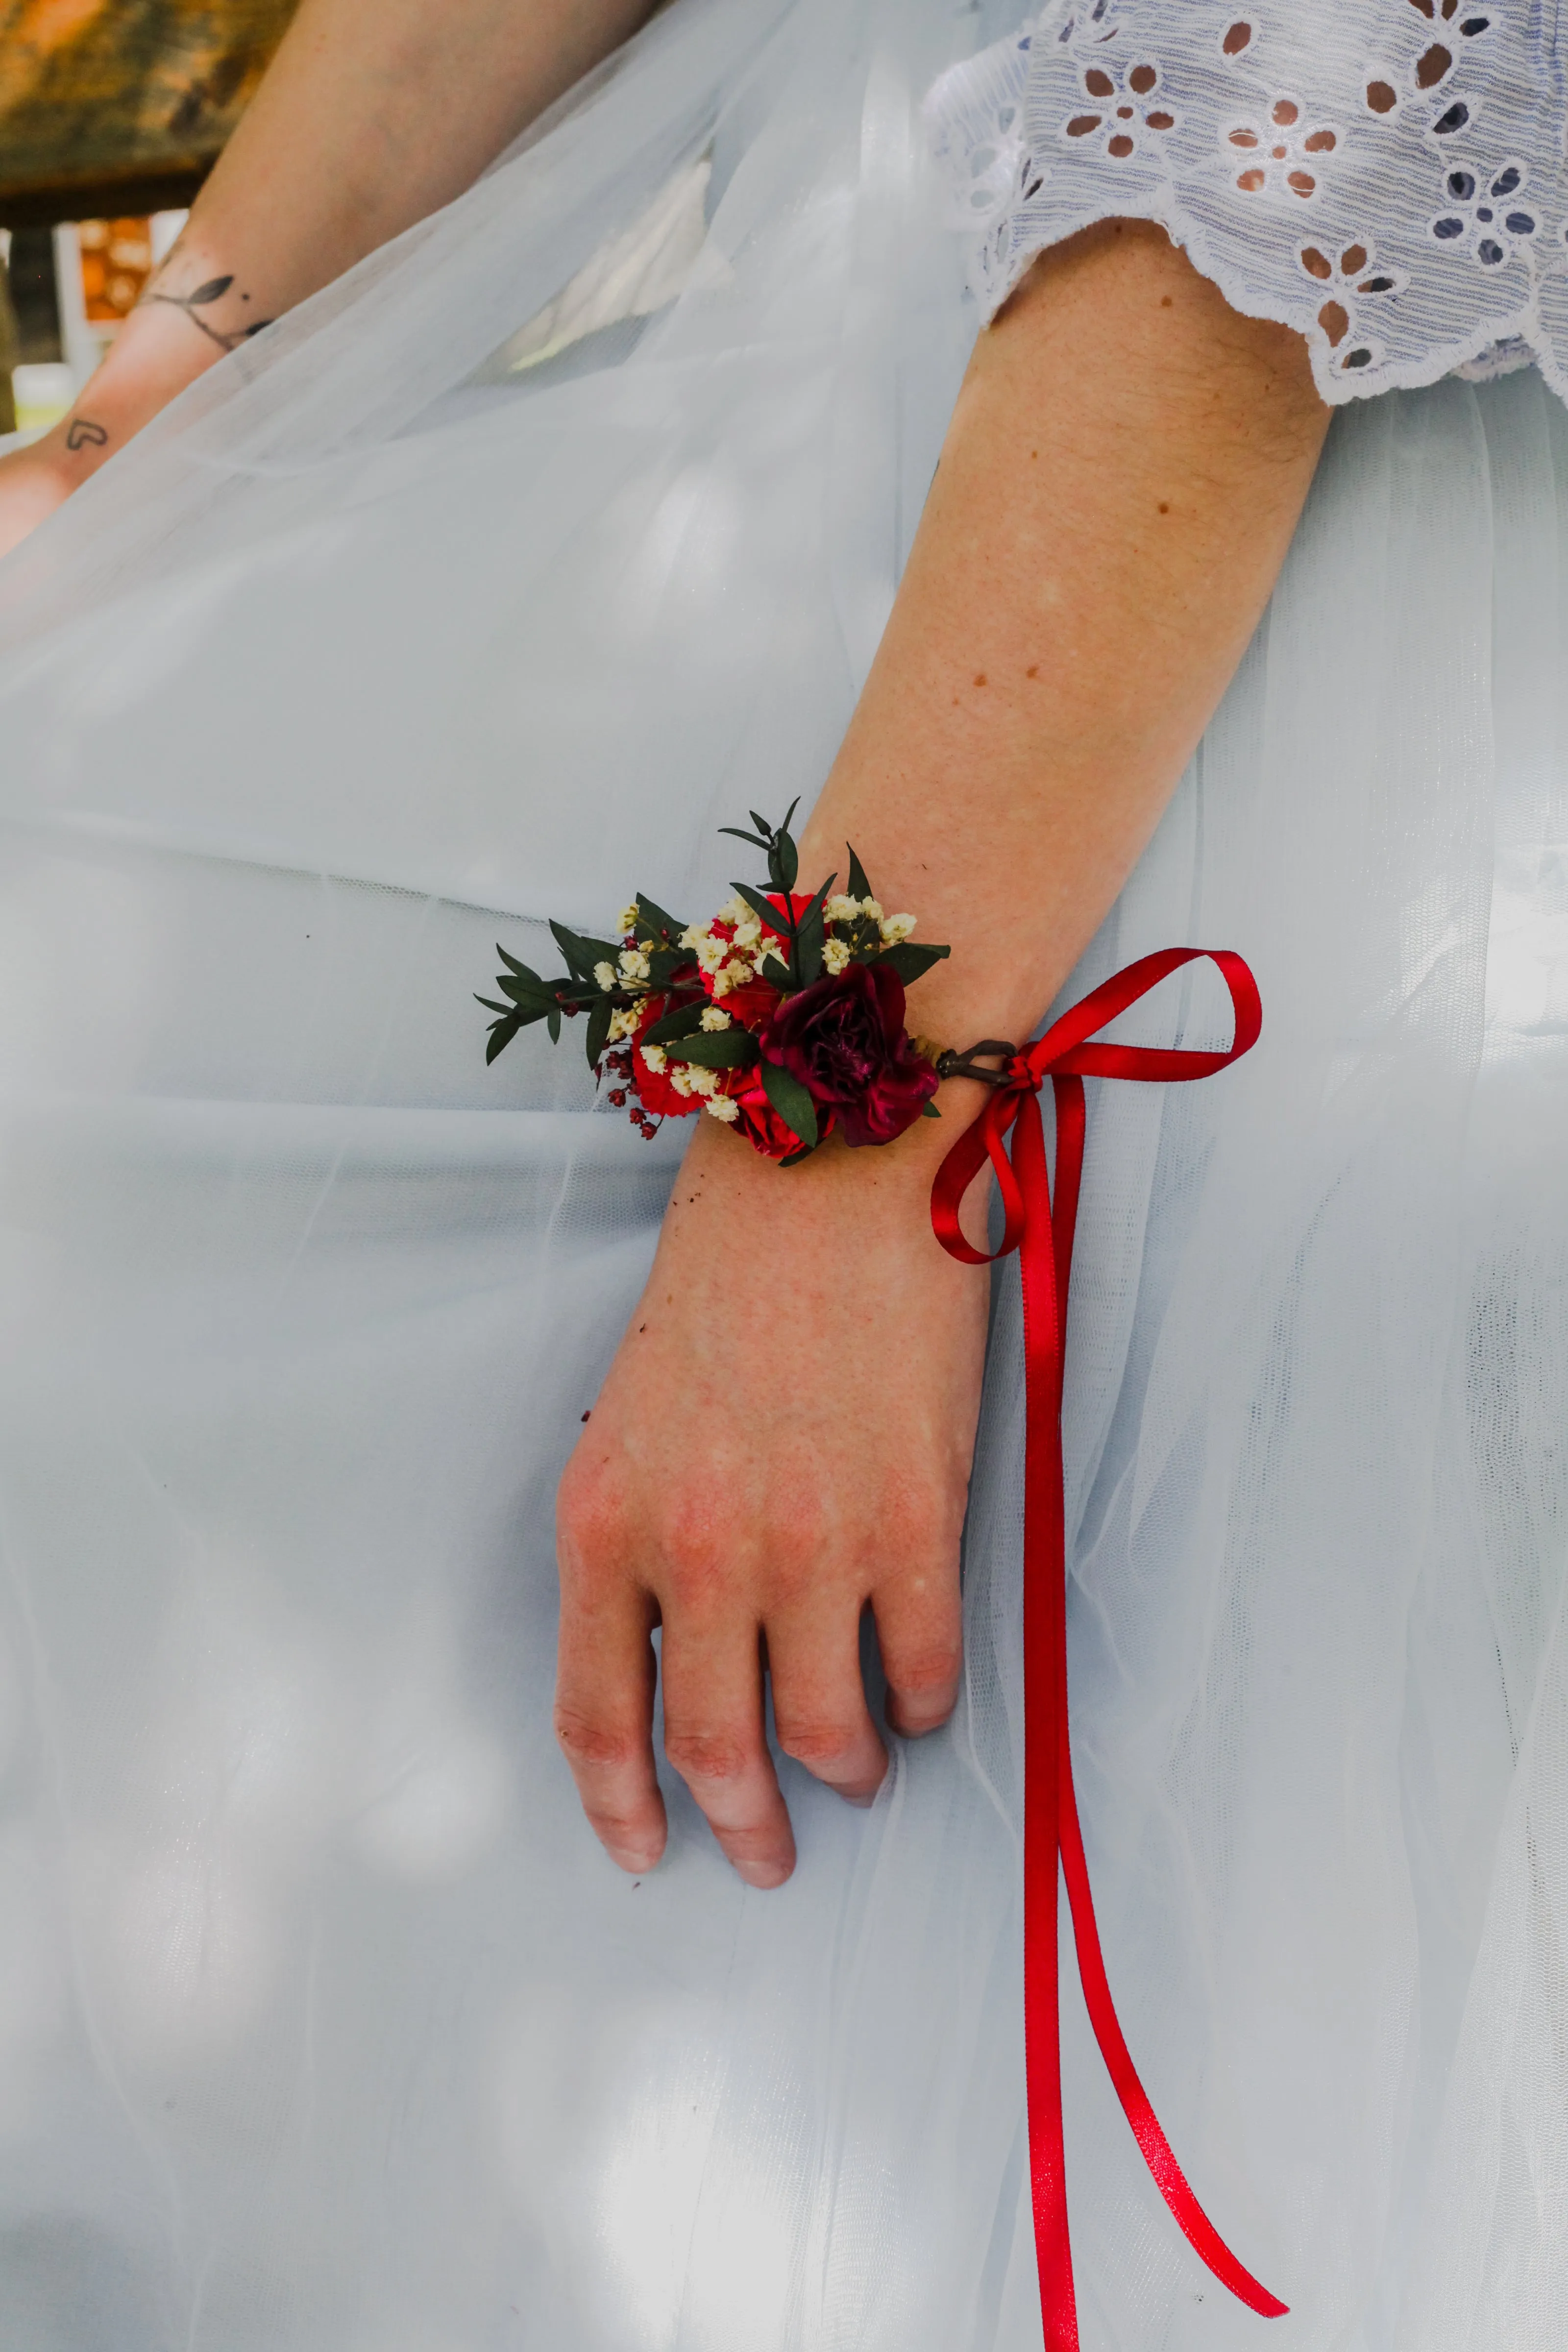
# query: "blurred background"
111,113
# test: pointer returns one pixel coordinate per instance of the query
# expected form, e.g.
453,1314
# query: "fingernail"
764,1875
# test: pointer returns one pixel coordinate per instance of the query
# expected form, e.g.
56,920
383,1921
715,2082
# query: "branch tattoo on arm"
212,291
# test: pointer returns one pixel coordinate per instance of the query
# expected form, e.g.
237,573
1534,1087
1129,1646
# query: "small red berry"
618,1096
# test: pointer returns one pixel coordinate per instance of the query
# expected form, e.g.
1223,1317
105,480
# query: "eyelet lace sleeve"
1386,175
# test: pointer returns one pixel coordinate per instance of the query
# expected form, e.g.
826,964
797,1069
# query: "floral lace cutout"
1419,139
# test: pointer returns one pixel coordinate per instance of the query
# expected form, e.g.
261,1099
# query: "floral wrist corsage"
783,1018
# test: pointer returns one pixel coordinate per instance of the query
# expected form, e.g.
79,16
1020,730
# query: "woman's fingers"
920,1630
819,1697
713,1737
603,1717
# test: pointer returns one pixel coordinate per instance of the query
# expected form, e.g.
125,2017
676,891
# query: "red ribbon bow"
1042,1233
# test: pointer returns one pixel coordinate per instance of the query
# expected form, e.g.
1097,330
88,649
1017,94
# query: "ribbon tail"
1045,1655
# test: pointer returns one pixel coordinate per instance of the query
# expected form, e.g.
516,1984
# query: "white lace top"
1386,175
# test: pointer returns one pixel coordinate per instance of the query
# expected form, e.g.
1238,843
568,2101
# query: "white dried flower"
723,1106
627,921
711,952
704,1082
896,927
714,1018
733,910
654,1057
747,934
871,906
693,936
680,1078
605,973
633,964
841,910
623,1024
835,955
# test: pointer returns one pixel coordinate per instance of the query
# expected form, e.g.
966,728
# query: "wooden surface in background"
119,106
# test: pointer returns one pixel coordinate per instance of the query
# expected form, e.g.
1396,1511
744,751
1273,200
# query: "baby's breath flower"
605,973
841,910
896,927
711,952
627,921
693,936
623,1024
733,910
731,975
704,1082
714,1018
748,933
633,964
680,1078
654,1057
723,1106
871,906
835,955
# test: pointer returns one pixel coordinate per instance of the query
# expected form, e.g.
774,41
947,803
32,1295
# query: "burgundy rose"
844,1039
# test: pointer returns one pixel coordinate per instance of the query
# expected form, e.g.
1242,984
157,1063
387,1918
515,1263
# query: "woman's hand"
783,1440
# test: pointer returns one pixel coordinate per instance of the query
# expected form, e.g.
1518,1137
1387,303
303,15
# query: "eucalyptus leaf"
776,971
786,868
681,1021
523,971
554,1017
583,953
501,1035
716,1049
654,922
809,941
792,1102
598,1035
773,920
753,840
857,886
909,960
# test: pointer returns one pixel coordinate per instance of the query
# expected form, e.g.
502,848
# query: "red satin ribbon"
1042,1233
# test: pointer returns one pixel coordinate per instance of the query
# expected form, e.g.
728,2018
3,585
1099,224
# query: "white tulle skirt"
324,2024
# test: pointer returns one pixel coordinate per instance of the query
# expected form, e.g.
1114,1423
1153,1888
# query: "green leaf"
775,971
930,1110
789,814
598,1035
793,1159
763,827
910,961
784,862
753,840
511,964
858,887
583,953
554,1017
681,1021
501,1035
654,923
791,1101
665,962
809,941
773,920
716,1049
525,992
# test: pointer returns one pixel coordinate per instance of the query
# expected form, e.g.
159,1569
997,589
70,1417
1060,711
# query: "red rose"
654,1089
760,1123
844,1039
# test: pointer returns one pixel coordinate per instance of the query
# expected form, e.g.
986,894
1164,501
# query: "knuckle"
703,1755
819,1746
594,1742
928,1673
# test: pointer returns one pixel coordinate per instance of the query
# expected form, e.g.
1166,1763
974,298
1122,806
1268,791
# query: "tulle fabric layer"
324,2026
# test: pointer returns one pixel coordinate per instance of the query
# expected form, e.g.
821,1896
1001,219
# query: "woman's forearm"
1120,484
370,118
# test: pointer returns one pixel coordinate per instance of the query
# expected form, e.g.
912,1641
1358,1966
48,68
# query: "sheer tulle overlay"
324,2025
